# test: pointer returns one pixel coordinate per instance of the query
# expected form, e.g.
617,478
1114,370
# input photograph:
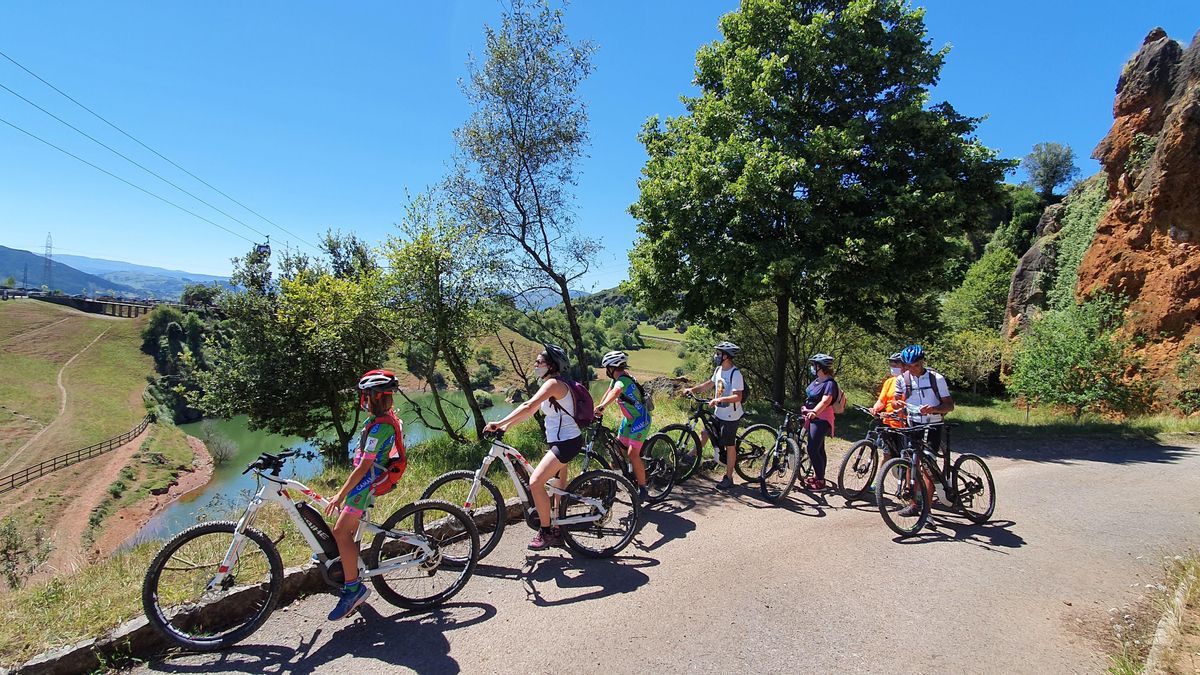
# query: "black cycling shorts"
565,451
727,430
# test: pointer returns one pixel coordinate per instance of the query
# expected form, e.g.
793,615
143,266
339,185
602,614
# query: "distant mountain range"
73,274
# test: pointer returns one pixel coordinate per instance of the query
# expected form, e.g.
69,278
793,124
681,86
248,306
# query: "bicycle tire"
782,464
200,618
621,507
892,494
857,472
485,512
658,458
457,522
980,479
687,444
749,459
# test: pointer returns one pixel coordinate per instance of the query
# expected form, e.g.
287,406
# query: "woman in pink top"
818,415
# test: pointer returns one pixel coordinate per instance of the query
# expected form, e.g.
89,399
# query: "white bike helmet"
729,348
614,360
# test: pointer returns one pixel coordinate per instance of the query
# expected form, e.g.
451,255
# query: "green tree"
811,167
9,282
1073,357
980,301
200,294
1048,166
970,357
291,350
1025,208
442,283
518,156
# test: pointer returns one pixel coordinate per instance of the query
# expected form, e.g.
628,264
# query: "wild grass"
651,331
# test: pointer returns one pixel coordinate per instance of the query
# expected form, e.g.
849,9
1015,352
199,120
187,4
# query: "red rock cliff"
1147,245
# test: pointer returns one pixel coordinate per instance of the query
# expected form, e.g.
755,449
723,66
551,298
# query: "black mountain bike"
602,451
856,477
778,456
903,498
686,442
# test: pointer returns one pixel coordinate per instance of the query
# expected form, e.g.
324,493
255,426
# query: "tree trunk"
581,363
344,435
459,370
782,305
441,411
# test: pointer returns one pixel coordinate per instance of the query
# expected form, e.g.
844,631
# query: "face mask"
812,370
540,371
717,359
896,370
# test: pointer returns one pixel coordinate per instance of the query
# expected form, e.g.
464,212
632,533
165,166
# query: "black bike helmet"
556,356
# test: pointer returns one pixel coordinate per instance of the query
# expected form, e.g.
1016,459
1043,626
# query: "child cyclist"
380,452
635,419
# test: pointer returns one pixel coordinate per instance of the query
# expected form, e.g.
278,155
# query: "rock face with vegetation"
1147,244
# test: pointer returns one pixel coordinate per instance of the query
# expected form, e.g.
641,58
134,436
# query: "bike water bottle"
941,492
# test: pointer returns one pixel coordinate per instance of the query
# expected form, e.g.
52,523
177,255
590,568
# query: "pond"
229,489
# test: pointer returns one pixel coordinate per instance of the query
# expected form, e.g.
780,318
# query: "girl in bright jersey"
635,418
380,448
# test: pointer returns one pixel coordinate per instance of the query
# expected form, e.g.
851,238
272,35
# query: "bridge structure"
122,308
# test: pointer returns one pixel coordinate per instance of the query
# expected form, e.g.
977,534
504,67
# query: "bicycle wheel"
433,576
687,449
752,447
178,602
857,473
974,490
658,456
611,501
488,510
780,467
903,503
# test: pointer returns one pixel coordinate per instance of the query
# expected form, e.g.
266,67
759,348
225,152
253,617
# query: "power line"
131,161
160,155
137,187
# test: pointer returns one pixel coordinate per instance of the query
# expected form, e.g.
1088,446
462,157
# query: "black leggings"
818,429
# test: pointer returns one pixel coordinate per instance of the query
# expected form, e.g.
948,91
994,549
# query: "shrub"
1073,357
19,555
970,357
981,299
1084,206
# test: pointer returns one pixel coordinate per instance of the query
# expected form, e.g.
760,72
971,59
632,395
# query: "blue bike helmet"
911,354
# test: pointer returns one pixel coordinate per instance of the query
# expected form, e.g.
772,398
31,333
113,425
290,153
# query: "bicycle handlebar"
268,461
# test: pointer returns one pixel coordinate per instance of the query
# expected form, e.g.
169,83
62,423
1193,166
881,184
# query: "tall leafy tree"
518,156
1048,166
811,168
442,282
292,348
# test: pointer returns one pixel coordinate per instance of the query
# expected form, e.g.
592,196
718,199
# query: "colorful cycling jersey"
636,420
889,402
377,440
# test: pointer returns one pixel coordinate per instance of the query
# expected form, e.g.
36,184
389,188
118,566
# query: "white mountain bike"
598,512
217,582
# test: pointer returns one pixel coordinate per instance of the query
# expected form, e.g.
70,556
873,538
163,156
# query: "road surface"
726,583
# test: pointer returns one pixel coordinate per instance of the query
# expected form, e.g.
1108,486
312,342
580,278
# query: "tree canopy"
1048,166
811,168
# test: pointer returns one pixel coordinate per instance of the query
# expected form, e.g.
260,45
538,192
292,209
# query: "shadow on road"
994,535
406,639
1115,449
605,576
667,523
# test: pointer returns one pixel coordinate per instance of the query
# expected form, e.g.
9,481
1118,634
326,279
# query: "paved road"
724,583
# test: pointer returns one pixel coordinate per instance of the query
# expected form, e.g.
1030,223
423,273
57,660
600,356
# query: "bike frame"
507,454
921,456
273,489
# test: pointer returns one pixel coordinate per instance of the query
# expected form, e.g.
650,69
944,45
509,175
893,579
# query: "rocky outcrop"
1027,293
1147,245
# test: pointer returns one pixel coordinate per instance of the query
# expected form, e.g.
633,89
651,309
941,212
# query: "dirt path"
726,583
69,553
19,337
62,404
126,522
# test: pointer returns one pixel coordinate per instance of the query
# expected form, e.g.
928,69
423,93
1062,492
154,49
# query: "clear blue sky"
320,116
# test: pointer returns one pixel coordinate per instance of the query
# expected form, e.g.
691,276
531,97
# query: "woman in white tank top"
556,402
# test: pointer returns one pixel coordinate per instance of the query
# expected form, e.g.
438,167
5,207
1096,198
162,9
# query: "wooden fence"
16,480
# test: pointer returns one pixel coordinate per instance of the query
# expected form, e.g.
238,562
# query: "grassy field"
650,331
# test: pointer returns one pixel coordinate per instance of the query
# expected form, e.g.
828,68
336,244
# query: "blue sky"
319,118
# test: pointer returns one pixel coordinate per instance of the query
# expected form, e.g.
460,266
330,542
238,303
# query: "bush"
1073,357
981,299
1084,206
21,556
971,357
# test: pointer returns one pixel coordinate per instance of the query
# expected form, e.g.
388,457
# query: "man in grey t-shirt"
730,389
